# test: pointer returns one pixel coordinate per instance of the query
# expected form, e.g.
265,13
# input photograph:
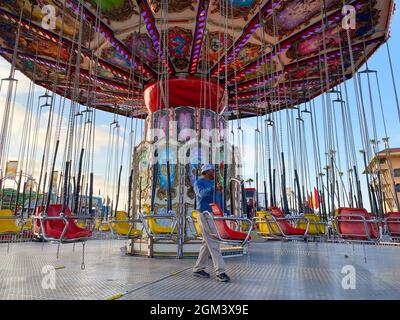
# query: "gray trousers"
209,246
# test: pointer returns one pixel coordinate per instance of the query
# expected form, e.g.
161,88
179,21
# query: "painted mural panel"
179,46
336,36
291,15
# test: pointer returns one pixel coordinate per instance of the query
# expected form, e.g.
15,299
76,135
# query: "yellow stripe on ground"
59,267
115,296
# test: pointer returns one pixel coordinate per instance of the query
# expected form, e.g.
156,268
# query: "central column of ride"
180,136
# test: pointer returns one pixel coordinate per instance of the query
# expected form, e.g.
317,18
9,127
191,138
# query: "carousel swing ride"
181,77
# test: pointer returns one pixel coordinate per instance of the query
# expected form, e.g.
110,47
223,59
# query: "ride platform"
269,270
169,248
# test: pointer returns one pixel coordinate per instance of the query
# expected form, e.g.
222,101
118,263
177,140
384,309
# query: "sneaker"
201,274
223,277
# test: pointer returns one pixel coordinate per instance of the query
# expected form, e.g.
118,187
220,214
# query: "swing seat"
392,222
121,225
53,228
334,222
156,228
285,227
273,225
8,225
224,230
261,224
36,220
102,226
195,222
28,224
316,226
81,224
357,224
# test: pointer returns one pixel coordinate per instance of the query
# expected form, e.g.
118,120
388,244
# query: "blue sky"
378,62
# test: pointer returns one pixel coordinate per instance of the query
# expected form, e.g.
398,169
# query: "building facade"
385,171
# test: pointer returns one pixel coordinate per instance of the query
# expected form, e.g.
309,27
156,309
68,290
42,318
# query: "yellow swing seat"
196,223
263,227
155,227
8,225
316,226
334,222
102,226
28,224
81,224
122,227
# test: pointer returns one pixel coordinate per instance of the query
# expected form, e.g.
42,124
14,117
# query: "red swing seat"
223,229
285,226
392,220
355,224
54,228
36,220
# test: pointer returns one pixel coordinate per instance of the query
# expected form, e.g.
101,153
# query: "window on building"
397,187
396,173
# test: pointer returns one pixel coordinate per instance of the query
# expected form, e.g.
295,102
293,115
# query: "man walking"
204,189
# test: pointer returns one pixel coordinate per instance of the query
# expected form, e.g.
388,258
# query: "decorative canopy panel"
268,54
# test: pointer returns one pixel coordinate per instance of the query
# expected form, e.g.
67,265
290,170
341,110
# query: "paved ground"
271,270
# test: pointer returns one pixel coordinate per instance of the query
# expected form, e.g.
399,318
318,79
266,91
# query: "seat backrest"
8,225
39,209
223,229
284,225
260,224
358,211
146,208
276,212
313,228
6,213
196,223
262,213
216,210
393,223
356,229
54,210
220,224
121,215
393,215
155,227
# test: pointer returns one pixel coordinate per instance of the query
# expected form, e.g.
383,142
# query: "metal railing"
273,224
65,219
367,224
391,221
217,235
128,235
171,216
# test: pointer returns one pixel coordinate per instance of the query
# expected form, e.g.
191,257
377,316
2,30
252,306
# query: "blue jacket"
204,190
